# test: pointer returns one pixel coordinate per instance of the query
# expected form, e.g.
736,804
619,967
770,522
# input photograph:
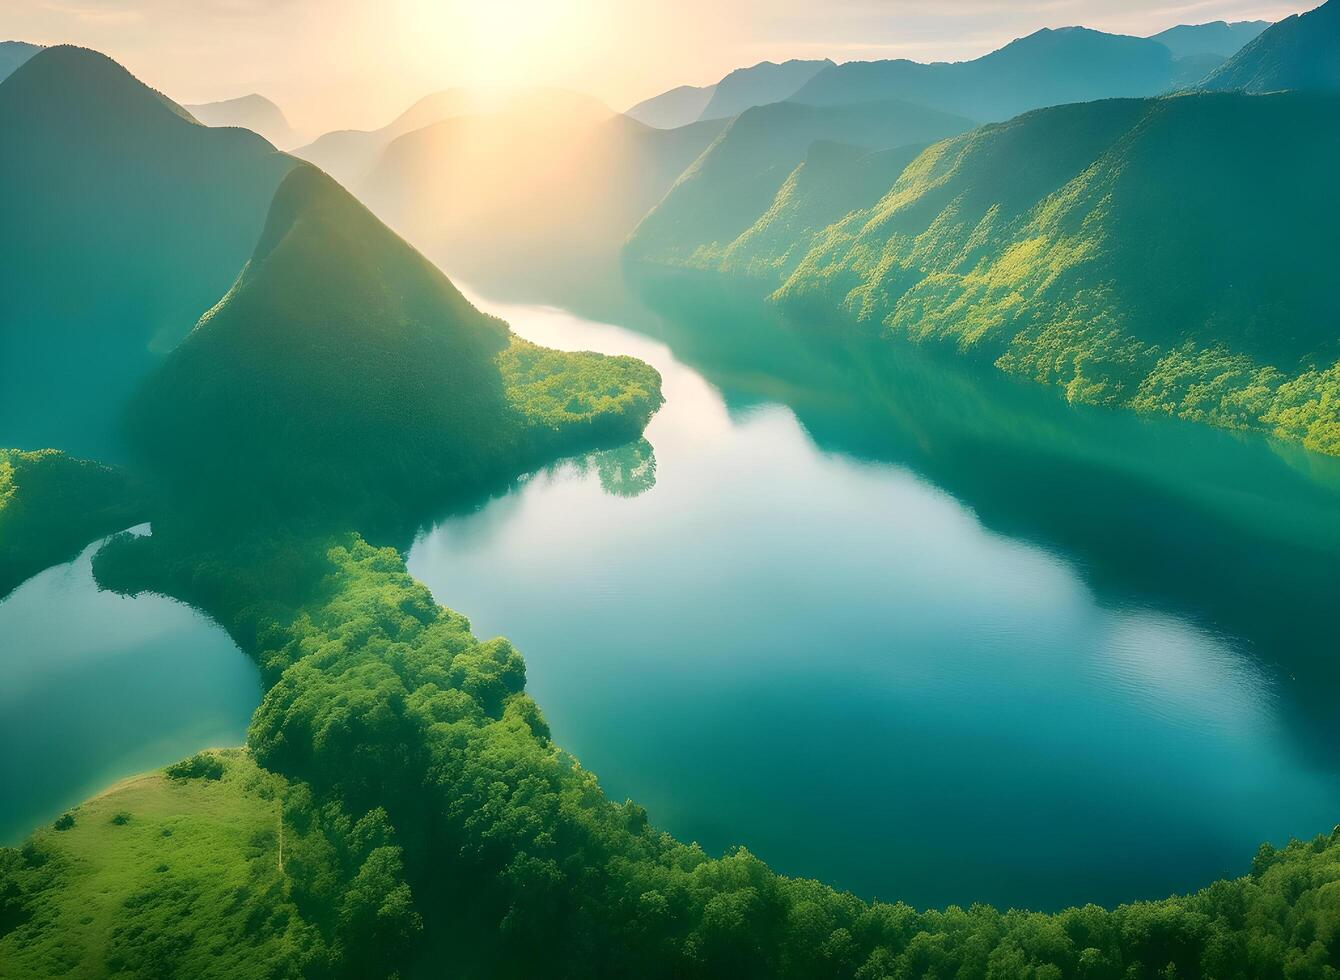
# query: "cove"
921,633
95,687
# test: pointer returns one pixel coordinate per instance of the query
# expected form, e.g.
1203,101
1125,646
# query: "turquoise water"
923,635
95,687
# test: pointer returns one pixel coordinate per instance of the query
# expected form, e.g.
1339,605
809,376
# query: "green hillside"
1146,253
1300,52
1048,67
123,220
343,372
724,192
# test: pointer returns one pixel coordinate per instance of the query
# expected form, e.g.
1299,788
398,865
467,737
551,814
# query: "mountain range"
1216,38
13,54
1300,52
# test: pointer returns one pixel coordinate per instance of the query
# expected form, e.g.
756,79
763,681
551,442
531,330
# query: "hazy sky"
337,63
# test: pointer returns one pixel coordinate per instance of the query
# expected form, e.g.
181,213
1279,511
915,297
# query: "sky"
357,63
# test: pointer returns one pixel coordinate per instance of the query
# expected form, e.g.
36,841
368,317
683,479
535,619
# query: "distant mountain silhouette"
1049,67
124,219
739,175
253,112
1300,52
1218,37
760,84
552,184
677,107
349,155
13,54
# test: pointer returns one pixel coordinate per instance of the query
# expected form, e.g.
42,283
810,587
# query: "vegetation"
1145,253
229,871
1299,53
51,506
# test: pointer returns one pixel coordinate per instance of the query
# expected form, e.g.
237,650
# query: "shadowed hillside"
13,54
1300,52
124,220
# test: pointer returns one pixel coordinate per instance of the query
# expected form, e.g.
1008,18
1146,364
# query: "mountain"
253,112
1300,52
1190,69
1049,67
1166,254
761,84
1219,37
349,155
124,219
553,184
343,371
677,107
13,54
737,178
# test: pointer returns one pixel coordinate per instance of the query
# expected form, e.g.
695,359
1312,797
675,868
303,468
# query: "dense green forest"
51,506
1144,253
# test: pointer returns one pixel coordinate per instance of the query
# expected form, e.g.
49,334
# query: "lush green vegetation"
1145,253
51,506
214,868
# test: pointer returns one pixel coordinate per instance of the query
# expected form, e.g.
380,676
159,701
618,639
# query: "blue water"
95,687
832,658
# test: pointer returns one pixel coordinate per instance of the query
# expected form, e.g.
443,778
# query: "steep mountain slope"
550,185
253,112
1218,37
1049,67
1300,52
1166,254
760,84
13,54
344,373
124,219
736,179
677,107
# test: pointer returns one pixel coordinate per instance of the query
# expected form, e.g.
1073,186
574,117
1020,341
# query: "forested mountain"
124,219
1049,67
737,177
553,184
1300,52
677,107
760,84
1218,37
349,374
1150,253
253,112
13,54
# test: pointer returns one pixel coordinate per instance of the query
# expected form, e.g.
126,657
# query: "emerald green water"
921,632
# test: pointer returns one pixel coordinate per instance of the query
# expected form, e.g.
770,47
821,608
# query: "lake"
918,632
95,687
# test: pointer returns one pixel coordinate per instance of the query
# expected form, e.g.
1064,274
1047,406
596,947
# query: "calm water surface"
95,687
894,667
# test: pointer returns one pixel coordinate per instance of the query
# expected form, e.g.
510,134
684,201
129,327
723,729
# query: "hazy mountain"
1219,37
737,178
760,84
349,155
553,184
1300,52
1190,69
253,112
13,54
1049,67
124,220
677,107
1168,254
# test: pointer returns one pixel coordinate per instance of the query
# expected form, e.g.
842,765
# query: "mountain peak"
83,83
